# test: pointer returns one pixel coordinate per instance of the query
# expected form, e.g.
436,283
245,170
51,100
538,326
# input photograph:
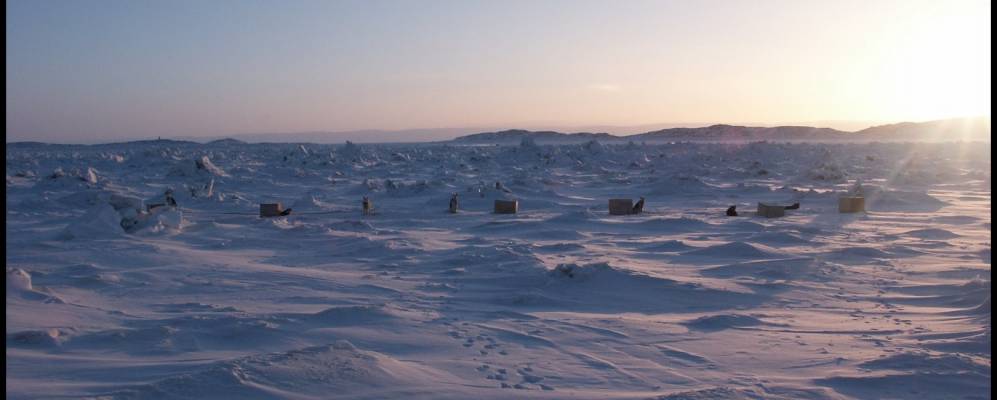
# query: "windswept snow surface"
558,301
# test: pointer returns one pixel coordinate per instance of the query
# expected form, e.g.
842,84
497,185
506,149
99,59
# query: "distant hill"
161,142
971,129
722,133
225,142
28,144
514,136
164,142
941,130
360,136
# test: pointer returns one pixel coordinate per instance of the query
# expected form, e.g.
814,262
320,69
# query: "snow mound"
161,219
923,361
90,176
747,393
889,200
679,183
983,308
602,276
77,178
196,168
768,269
572,218
667,246
605,288
114,215
926,374
559,247
19,285
732,250
121,202
827,171
860,252
80,275
25,174
205,164
18,280
308,202
675,225
35,338
909,384
723,321
189,333
780,238
100,221
307,372
83,199
932,233
583,272
594,147
353,315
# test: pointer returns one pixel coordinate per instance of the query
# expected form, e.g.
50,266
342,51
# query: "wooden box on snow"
771,211
620,206
851,204
270,210
506,206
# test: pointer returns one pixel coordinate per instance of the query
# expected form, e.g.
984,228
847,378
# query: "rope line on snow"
208,212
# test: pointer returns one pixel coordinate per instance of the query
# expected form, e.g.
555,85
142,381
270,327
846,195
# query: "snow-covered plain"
559,301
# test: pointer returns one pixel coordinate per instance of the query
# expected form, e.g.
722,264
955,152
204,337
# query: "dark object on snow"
620,206
368,208
506,206
639,207
795,206
567,270
771,211
851,204
732,211
169,198
285,212
453,203
271,210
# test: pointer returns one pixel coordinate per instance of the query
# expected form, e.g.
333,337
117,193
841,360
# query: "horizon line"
472,130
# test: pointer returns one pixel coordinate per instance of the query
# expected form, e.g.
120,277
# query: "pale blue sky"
85,70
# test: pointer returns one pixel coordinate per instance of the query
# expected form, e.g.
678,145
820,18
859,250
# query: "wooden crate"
270,210
620,206
851,204
506,206
771,211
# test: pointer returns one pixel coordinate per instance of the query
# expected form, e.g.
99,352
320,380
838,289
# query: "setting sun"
940,67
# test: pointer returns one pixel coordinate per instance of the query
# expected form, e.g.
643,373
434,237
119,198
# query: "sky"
80,71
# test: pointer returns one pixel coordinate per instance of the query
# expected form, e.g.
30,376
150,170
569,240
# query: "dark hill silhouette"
974,129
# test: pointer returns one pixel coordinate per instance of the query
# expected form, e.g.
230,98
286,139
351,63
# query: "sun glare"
942,71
